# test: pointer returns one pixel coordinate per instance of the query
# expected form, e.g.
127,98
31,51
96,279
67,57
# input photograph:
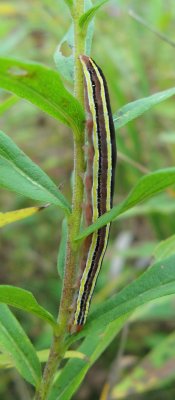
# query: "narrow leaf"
43,355
62,250
75,354
165,248
140,250
90,29
158,310
8,103
147,187
17,346
43,87
162,204
24,300
65,64
136,108
7,362
13,216
156,369
69,3
21,175
74,371
157,281
86,18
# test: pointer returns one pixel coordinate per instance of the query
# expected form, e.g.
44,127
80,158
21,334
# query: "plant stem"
75,218
58,347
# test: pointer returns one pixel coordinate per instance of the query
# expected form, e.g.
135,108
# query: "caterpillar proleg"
99,183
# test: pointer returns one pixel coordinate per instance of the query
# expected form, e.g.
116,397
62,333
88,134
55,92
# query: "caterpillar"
99,184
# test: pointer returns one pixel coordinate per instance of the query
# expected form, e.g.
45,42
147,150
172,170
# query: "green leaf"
140,250
90,30
147,187
21,175
13,216
44,354
43,87
86,18
133,110
154,371
162,204
65,64
69,3
165,248
157,281
62,250
24,300
74,371
158,310
8,103
17,346
7,362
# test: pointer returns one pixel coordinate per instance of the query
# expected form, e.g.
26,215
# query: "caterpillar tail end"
74,328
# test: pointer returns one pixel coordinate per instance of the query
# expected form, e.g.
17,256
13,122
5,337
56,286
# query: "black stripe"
112,131
103,158
86,291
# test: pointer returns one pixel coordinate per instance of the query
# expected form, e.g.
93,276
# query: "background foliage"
136,63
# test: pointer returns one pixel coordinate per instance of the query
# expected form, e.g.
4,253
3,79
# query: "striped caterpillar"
99,184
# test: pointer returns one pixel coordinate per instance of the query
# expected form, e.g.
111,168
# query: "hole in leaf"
18,71
65,49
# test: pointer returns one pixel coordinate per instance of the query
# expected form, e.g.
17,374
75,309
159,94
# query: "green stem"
79,166
58,347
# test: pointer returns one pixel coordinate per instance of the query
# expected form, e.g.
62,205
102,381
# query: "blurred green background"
136,63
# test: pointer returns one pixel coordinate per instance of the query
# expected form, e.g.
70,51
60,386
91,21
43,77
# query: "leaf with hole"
65,62
43,87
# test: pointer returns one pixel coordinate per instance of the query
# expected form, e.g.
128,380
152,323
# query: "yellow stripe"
108,199
94,192
97,271
108,138
95,187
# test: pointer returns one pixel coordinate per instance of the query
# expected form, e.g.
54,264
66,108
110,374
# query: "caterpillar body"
99,184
